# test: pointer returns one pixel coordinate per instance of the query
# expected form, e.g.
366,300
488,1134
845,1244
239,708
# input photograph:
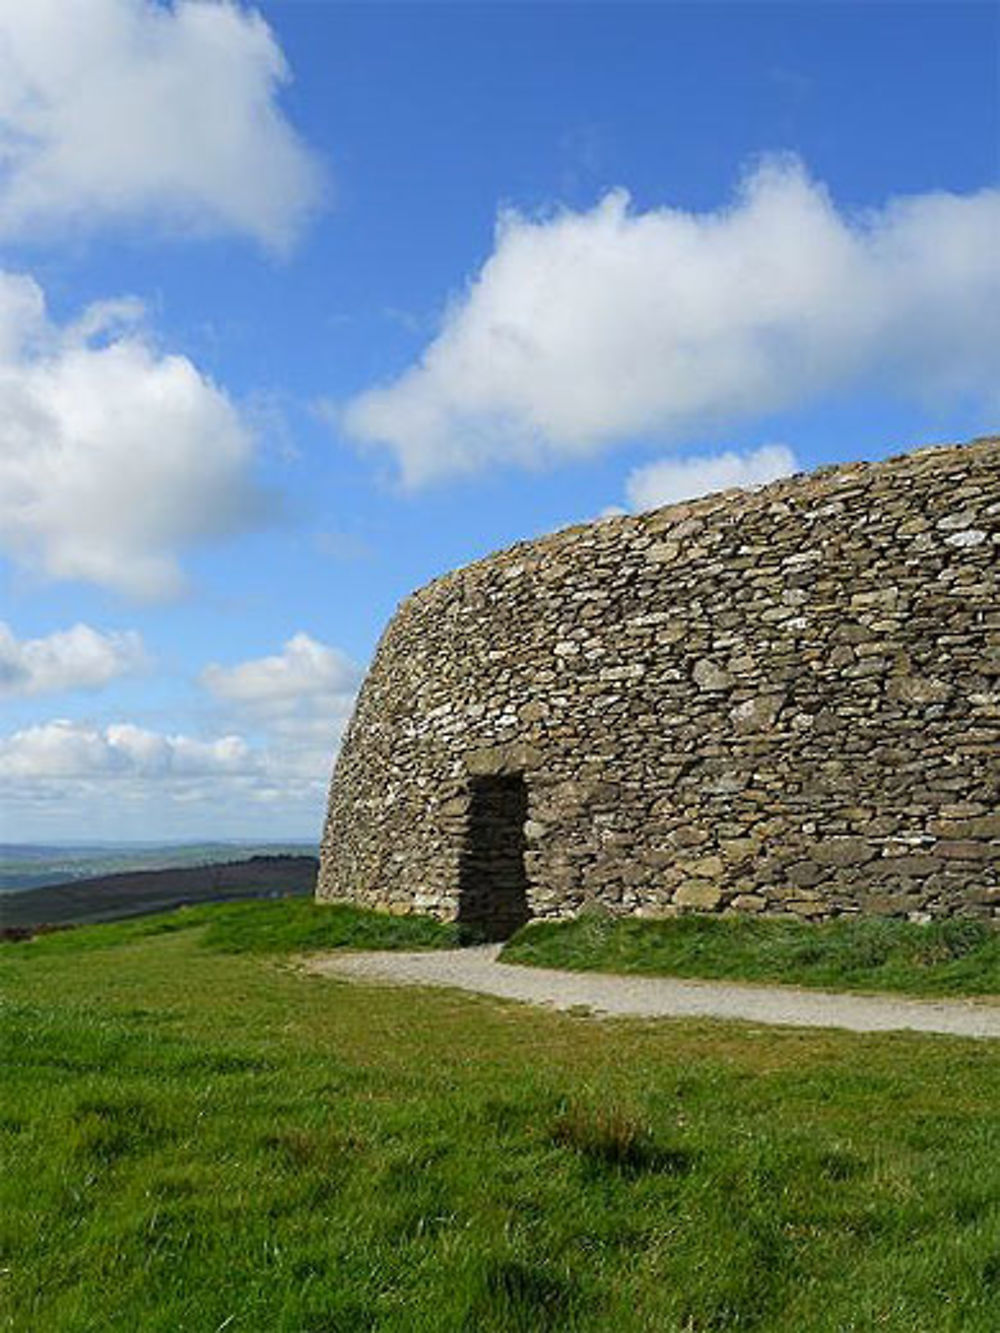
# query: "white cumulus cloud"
113,455
584,329
267,766
304,670
66,749
670,480
302,697
136,110
73,659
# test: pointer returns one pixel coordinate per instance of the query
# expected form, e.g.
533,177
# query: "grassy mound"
301,925
270,926
945,958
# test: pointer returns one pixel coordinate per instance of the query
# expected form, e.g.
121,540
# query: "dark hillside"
133,892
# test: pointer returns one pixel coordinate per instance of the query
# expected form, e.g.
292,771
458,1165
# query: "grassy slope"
947,958
198,1141
279,926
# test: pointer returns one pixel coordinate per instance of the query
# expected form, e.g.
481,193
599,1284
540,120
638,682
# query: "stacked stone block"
782,701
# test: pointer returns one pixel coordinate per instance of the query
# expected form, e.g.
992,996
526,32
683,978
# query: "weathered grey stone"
915,867
657,857
699,893
965,851
782,701
534,711
917,689
962,518
809,908
843,851
749,902
457,806
689,836
806,873
664,553
985,826
736,850
758,713
709,676
888,904
970,537
705,867
497,759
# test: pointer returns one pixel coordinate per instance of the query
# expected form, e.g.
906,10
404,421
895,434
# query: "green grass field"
206,1139
946,958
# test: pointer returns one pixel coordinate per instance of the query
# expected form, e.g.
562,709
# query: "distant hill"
35,865
132,893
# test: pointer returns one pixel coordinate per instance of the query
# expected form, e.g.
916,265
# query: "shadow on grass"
103,1131
519,1297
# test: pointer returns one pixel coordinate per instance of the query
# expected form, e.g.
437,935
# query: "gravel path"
662,997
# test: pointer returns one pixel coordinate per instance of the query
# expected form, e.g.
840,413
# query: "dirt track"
662,997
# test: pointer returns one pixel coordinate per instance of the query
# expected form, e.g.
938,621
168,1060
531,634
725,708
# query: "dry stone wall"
784,701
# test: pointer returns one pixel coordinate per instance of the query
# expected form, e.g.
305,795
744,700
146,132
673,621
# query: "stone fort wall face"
785,701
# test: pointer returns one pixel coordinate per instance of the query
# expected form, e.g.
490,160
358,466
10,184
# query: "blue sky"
304,303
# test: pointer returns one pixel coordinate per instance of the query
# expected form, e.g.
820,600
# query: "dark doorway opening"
493,883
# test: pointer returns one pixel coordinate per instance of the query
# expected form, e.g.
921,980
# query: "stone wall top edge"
800,488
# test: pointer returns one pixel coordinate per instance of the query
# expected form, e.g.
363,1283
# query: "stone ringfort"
781,701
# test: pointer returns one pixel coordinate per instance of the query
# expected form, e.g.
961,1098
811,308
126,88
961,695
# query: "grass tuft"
611,1138
954,957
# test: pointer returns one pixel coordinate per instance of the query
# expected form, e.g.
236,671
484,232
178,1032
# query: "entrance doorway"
493,883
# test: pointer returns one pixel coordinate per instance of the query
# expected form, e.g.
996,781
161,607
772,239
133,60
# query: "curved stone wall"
780,701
